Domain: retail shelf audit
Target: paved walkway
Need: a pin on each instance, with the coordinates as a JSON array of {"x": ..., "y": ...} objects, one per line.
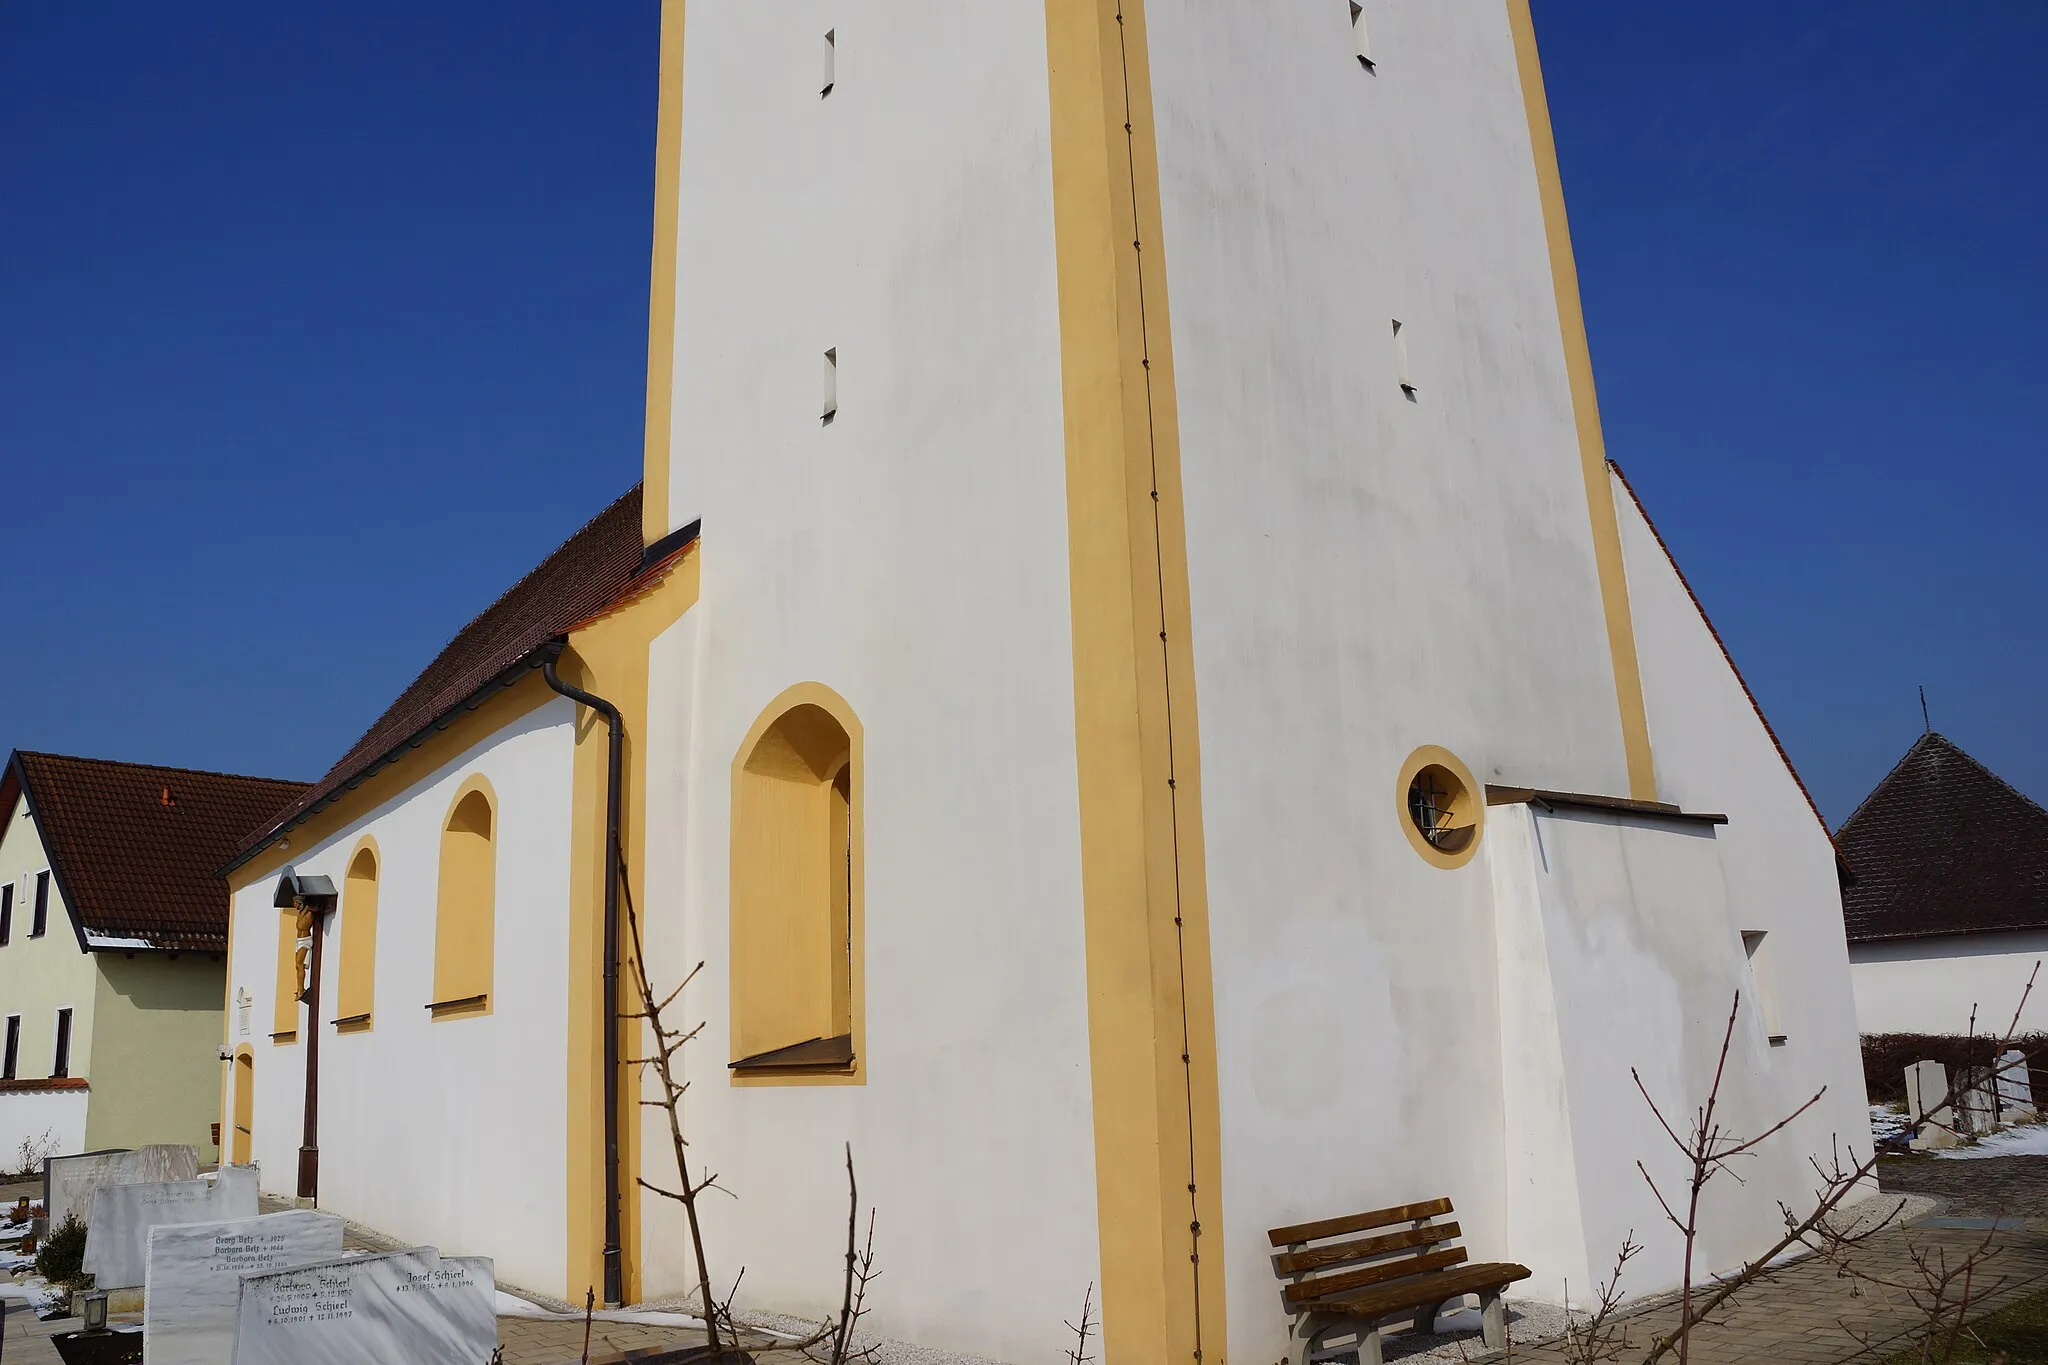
[{"x": 1808, "y": 1314}]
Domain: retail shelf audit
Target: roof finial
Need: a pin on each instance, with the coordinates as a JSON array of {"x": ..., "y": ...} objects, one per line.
[{"x": 1926, "y": 725}]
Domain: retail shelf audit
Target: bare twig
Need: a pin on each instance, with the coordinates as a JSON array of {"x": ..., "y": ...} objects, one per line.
[
  {"x": 1077, "y": 1354},
  {"x": 1596, "y": 1338}
]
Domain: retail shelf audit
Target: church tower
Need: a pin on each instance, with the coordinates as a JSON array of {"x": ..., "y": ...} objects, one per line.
[{"x": 1152, "y": 501}]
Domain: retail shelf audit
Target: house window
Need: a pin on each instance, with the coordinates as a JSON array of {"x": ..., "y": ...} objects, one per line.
[
  {"x": 61, "y": 1064},
  {"x": 6, "y": 913},
  {"x": 464, "y": 930},
  {"x": 12, "y": 1058},
  {"x": 41, "y": 919},
  {"x": 358, "y": 942},
  {"x": 796, "y": 889}
]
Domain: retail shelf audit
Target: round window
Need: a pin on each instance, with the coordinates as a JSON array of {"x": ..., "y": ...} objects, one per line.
[{"x": 1442, "y": 810}]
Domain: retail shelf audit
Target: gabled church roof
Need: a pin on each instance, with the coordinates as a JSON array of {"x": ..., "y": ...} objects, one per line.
[
  {"x": 1944, "y": 846},
  {"x": 136, "y": 849},
  {"x": 581, "y": 578}
]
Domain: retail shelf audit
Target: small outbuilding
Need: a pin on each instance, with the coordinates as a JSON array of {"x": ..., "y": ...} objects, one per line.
[{"x": 1948, "y": 909}]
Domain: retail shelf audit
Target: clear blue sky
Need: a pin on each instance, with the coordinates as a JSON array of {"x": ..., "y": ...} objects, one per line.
[{"x": 320, "y": 324}]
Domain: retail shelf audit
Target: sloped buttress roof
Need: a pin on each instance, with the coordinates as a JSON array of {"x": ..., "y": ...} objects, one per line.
[
  {"x": 1944, "y": 846},
  {"x": 585, "y": 575},
  {"x": 136, "y": 849}
]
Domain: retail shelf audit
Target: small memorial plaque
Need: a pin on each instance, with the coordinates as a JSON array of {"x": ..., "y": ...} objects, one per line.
[
  {"x": 413, "y": 1306},
  {"x": 117, "y": 1240},
  {"x": 195, "y": 1277}
]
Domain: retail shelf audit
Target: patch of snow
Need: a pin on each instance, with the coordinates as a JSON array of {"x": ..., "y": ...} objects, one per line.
[
  {"x": 93, "y": 940},
  {"x": 2030, "y": 1139},
  {"x": 1888, "y": 1123}
]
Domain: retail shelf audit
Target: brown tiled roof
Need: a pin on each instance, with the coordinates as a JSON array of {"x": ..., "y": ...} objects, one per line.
[
  {"x": 1944, "y": 846},
  {"x": 136, "y": 849},
  {"x": 579, "y": 579}
]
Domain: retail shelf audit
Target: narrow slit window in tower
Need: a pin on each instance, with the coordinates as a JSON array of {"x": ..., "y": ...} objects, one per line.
[
  {"x": 831, "y": 62},
  {"x": 1361, "y": 40},
  {"x": 1402, "y": 373},
  {"x": 831, "y": 405}
]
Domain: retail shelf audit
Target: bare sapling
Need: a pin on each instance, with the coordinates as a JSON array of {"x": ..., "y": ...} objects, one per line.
[
  {"x": 1600, "y": 1336},
  {"x": 860, "y": 1271},
  {"x": 1942, "y": 1292},
  {"x": 1077, "y": 1354},
  {"x": 721, "y": 1328}
]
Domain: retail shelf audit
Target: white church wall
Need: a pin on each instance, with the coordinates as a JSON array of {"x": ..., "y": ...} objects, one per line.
[
  {"x": 1934, "y": 985},
  {"x": 1713, "y": 753},
  {"x": 1368, "y": 574},
  {"x": 444, "y": 1132},
  {"x": 911, "y": 556}
]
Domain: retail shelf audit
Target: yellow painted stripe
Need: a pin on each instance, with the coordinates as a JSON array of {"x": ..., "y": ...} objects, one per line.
[
  {"x": 1578, "y": 359},
  {"x": 1151, "y": 1017},
  {"x": 661, "y": 306}
]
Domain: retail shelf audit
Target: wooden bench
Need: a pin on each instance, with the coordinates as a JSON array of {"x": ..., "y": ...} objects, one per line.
[{"x": 1340, "y": 1284}]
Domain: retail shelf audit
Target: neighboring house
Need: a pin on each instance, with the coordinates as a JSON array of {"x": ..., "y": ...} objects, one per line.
[
  {"x": 113, "y": 933},
  {"x": 1948, "y": 912},
  {"x": 1184, "y": 733}
]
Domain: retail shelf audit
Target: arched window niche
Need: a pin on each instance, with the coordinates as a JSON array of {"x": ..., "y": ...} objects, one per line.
[
  {"x": 796, "y": 900},
  {"x": 356, "y": 999},
  {"x": 465, "y": 933}
]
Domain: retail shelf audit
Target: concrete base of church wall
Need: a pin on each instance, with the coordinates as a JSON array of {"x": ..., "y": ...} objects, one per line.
[
  {"x": 444, "y": 1132},
  {"x": 1629, "y": 924},
  {"x": 1934, "y": 985}
]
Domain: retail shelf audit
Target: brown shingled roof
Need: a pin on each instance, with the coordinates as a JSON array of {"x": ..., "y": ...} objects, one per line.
[
  {"x": 136, "y": 848},
  {"x": 579, "y": 579},
  {"x": 1944, "y": 846}
]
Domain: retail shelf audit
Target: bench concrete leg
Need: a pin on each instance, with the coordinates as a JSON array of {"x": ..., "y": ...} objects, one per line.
[
  {"x": 1369, "y": 1347},
  {"x": 1493, "y": 1320},
  {"x": 1315, "y": 1329}
]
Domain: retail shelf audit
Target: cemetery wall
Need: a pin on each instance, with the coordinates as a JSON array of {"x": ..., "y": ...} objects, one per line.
[
  {"x": 1930, "y": 985},
  {"x": 47, "y": 1120},
  {"x": 155, "y": 1071},
  {"x": 446, "y": 1131},
  {"x": 911, "y": 556}
]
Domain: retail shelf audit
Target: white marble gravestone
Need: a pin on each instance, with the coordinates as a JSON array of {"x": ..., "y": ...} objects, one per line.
[
  {"x": 195, "y": 1277},
  {"x": 415, "y": 1307},
  {"x": 69, "y": 1181},
  {"x": 117, "y": 1239},
  {"x": 2015, "y": 1088},
  {"x": 1976, "y": 1105},
  {"x": 1926, "y": 1087}
]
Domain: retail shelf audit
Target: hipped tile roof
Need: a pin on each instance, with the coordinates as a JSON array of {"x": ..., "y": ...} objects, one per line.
[
  {"x": 136, "y": 848},
  {"x": 578, "y": 580},
  {"x": 1944, "y": 846}
]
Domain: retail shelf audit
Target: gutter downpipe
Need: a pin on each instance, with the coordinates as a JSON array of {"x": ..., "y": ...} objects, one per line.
[{"x": 614, "y": 1270}]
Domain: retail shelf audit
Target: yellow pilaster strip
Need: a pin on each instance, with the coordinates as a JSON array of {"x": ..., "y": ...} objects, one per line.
[
  {"x": 1578, "y": 359},
  {"x": 661, "y": 305},
  {"x": 610, "y": 657},
  {"x": 1151, "y": 1020}
]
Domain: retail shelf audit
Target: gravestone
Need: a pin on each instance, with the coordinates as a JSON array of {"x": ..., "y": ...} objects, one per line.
[
  {"x": 1926, "y": 1087},
  {"x": 2015, "y": 1088},
  {"x": 1976, "y": 1105},
  {"x": 412, "y": 1306},
  {"x": 70, "y": 1181},
  {"x": 195, "y": 1277},
  {"x": 117, "y": 1239}
]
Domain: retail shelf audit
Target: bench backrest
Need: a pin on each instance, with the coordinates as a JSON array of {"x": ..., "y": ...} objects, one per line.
[{"x": 1328, "y": 1257}]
